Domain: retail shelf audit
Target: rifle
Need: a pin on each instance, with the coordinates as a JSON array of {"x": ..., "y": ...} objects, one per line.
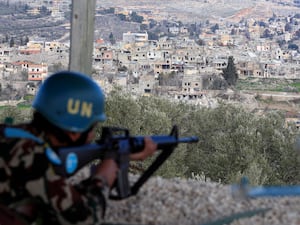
[{"x": 74, "y": 158}]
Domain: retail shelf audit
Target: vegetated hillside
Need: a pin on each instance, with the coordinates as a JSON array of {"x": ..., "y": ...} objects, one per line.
[
  {"x": 107, "y": 24},
  {"x": 272, "y": 94},
  {"x": 20, "y": 27},
  {"x": 195, "y": 10}
]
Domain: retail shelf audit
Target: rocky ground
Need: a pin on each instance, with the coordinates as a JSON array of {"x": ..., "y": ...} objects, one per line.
[
  {"x": 197, "y": 202},
  {"x": 192, "y": 202}
]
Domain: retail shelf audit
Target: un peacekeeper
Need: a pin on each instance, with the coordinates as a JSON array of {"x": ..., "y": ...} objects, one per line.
[{"x": 67, "y": 108}]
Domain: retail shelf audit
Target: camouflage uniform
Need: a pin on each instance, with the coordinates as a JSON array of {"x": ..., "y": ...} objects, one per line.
[{"x": 29, "y": 186}]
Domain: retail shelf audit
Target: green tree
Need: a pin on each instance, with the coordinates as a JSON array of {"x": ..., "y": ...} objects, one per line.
[
  {"x": 230, "y": 73},
  {"x": 24, "y": 75},
  {"x": 144, "y": 27},
  {"x": 152, "y": 36},
  {"x": 11, "y": 42},
  {"x": 44, "y": 11},
  {"x": 122, "y": 69},
  {"x": 288, "y": 27},
  {"x": 235, "y": 143},
  {"x": 122, "y": 17},
  {"x": 6, "y": 38},
  {"x": 214, "y": 28},
  {"x": 26, "y": 40},
  {"x": 293, "y": 46},
  {"x": 21, "y": 41},
  {"x": 152, "y": 23},
  {"x": 122, "y": 111},
  {"x": 112, "y": 39},
  {"x": 56, "y": 67},
  {"x": 16, "y": 114},
  {"x": 200, "y": 42},
  {"x": 136, "y": 18},
  {"x": 297, "y": 34},
  {"x": 267, "y": 34}
]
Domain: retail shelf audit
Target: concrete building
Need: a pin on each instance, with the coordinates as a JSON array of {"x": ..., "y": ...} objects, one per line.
[{"x": 129, "y": 38}]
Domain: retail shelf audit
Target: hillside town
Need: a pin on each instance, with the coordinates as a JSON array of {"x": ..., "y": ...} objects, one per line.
[
  {"x": 147, "y": 54},
  {"x": 243, "y": 167}
]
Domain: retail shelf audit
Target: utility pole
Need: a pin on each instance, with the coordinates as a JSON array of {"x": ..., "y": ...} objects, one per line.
[{"x": 82, "y": 36}]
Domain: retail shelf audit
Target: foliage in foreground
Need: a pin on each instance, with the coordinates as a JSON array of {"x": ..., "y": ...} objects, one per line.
[{"x": 233, "y": 142}]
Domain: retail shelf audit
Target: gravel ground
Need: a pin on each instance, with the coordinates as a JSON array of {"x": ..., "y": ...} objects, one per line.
[{"x": 191, "y": 202}]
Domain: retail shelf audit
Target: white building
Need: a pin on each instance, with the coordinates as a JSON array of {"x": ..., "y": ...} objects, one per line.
[{"x": 129, "y": 38}]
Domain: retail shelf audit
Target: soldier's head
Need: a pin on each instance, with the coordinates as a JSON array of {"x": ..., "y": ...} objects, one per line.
[{"x": 71, "y": 101}]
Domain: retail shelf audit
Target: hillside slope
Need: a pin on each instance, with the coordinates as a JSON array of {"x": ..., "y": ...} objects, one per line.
[{"x": 195, "y": 10}]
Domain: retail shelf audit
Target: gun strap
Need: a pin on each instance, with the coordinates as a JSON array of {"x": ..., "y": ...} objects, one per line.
[
  {"x": 12, "y": 132},
  {"x": 161, "y": 158}
]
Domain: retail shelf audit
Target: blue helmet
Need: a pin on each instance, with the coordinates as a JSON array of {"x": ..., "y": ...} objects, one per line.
[{"x": 71, "y": 101}]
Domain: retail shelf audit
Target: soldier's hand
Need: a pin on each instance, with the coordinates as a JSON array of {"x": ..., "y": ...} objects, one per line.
[{"x": 149, "y": 149}]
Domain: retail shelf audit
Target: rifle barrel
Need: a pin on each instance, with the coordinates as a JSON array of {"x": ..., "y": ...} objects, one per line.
[
  {"x": 126, "y": 145},
  {"x": 192, "y": 139}
]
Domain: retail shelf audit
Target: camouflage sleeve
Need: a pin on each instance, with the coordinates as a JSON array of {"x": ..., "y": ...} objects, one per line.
[
  {"x": 27, "y": 173},
  {"x": 4, "y": 184},
  {"x": 6, "y": 173},
  {"x": 82, "y": 203}
]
